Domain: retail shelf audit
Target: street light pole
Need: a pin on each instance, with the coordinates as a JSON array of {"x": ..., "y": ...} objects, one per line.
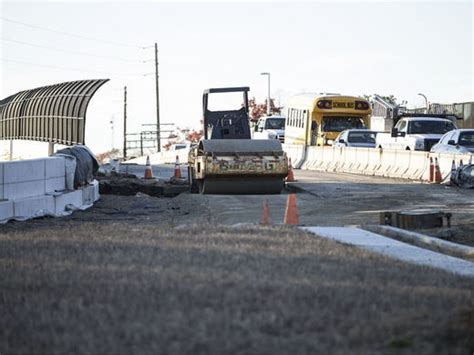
[
  {"x": 426, "y": 101},
  {"x": 268, "y": 99},
  {"x": 124, "y": 122},
  {"x": 158, "y": 140}
]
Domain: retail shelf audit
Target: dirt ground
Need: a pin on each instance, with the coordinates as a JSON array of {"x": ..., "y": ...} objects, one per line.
[
  {"x": 328, "y": 199},
  {"x": 141, "y": 274},
  {"x": 130, "y": 285}
]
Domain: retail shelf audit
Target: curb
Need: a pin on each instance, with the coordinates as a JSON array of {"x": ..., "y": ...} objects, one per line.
[{"x": 425, "y": 241}]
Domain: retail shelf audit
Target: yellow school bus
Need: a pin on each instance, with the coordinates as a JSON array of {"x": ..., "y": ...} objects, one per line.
[{"x": 317, "y": 119}]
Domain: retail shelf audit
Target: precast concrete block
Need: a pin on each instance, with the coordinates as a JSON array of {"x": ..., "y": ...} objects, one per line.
[
  {"x": 67, "y": 202},
  {"x": 32, "y": 207},
  {"x": 55, "y": 167},
  {"x": 95, "y": 183},
  {"x": 88, "y": 195},
  {"x": 55, "y": 184},
  {"x": 6, "y": 211},
  {"x": 23, "y": 171},
  {"x": 18, "y": 190},
  {"x": 1, "y": 181}
]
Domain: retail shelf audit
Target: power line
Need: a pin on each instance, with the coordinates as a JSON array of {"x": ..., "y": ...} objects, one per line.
[
  {"x": 67, "y": 51},
  {"x": 64, "y": 68},
  {"x": 70, "y": 34}
]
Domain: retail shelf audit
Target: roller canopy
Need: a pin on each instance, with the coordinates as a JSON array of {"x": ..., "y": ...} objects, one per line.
[
  {"x": 242, "y": 146},
  {"x": 54, "y": 113}
]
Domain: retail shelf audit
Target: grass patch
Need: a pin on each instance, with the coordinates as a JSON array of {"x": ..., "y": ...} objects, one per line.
[{"x": 122, "y": 288}]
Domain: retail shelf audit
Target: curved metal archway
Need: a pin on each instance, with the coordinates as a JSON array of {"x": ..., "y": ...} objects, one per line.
[{"x": 54, "y": 113}]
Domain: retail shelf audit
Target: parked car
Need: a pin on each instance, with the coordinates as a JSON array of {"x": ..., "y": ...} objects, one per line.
[
  {"x": 458, "y": 141},
  {"x": 356, "y": 138},
  {"x": 271, "y": 127},
  {"x": 415, "y": 133}
]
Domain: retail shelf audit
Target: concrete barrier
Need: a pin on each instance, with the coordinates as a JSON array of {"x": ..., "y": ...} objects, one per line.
[
  {"x": 39, "y": 187},
  {"x": 297, "y": 154},
  {"x": 165, "y": 157},
  {"x": 404, "y": 164}
]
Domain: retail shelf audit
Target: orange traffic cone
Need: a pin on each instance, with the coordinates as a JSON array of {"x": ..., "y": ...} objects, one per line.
[
  {"x": 461, "y": 163},
  {"x": 291, "y": 211},
  {"x": 453, "y": 172},
  {"x": 431, "y": 177},
  {"x": 265, "y": 220},
  {"x": 148, "y": 171},
  {"x": 290, "y": 177},
  {"x": 177, "y": 169},
  {"x": 437, "y": 177}
]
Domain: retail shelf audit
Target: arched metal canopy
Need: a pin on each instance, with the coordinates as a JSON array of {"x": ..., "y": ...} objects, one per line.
[{"x": 54, "y": 113}]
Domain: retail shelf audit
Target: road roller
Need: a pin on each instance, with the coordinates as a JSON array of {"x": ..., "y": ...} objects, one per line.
[{"x": 227, "y": 160}]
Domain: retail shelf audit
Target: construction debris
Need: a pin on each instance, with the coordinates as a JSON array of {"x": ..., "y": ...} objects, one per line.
[
  {"x": 463, "y": 176},
  {"x": 129, "y": 185}
]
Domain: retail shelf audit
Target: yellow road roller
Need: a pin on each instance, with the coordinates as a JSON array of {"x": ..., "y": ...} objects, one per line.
[{"x": 228, "y": 161}]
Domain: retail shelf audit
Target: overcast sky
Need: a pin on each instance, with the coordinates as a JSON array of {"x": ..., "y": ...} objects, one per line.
[{"x": 399, "y": 48}]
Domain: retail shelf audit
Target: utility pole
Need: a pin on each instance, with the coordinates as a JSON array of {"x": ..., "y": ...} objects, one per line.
[
  {"x": 124, "y": 122},
  {"x": 158, "y": 141},
  {"x": 268, "y": 97}
]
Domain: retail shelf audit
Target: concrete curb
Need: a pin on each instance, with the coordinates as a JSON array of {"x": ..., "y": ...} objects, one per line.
[
  {"x": 395, "y": 249},
  {"x": 424, "y": 241}
]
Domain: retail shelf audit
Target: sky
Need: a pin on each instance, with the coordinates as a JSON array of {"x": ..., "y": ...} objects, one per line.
[{"x": 389, "y": 48}]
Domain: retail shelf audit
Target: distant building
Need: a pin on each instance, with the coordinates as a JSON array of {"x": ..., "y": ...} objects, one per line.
[
  {"x": 464, "y": 111},
  {"x": 385, "y": 113}
]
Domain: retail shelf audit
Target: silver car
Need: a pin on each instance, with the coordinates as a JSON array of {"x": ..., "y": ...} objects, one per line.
[
  {"x": 362, "y": 138},
  {"x": 457, "y": 141}
]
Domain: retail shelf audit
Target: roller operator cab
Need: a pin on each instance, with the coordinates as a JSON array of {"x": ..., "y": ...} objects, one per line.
[{"x": 227, "y": 160}]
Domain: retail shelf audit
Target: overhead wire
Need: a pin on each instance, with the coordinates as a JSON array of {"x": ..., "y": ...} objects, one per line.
[
  {"x": 68, "y": 51},
  {"x": 70, "y": 34},
  {"x": 66, "y": 68}
]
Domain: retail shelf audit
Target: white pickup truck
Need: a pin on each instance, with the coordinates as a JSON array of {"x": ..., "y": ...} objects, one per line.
[
  {"x": 271, "y": 127},
  {"x": 415, "y": 133}
]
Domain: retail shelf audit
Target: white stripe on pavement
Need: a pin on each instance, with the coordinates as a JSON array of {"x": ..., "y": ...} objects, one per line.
[{"x": 393, "y": 248}]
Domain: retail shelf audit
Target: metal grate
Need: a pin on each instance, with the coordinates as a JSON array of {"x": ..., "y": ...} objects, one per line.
[{"x": 54, "y": 113}]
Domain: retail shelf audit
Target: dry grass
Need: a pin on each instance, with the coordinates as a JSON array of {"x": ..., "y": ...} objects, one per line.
[{"x": 121, "y": 288}]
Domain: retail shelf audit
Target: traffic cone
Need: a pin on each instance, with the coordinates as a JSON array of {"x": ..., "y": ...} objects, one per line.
[
  {"x": 148, "y": 171},
  {"x": 431, "y": 177},
  {"x": 290, "y": 177},
  {"x": 437, "y": 177},
  {"x": 265, "y": 220},
  {"x": 291, "y": 211},
  {"x": 453, "y": 172},
  {"x": 461, "y": 164},
  {"x": 470, "y": 160},
  {"x": 177, "y": 169}
]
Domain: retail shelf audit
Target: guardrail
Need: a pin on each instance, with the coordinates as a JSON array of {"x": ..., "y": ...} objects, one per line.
[{"x": 39, "y": 187}]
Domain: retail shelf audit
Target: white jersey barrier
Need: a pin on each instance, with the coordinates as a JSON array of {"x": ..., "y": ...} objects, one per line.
[
  {"x": 297, "y": 154},
  {"x": 405, "y": 164},
  {"x": 41, "y": 187},
  {"x": 165, "y": 157}
]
